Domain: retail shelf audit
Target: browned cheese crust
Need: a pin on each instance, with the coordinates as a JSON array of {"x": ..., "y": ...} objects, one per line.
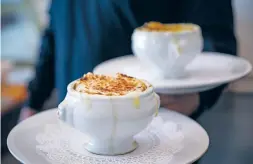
[
  {"x": 160, "y": 27},
  {"x": 109, "y": 86}
]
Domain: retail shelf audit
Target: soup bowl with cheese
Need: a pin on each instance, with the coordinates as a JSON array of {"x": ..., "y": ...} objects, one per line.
[
  {"x": 167, "y": 48},
  {"x": 109, "y": 110}
]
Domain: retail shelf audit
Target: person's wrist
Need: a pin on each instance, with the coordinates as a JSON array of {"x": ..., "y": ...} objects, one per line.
[
  {"x": 185, "y": 104},
  {"x": 26, "y": 112},
  {"x": 26, "y": 108}
]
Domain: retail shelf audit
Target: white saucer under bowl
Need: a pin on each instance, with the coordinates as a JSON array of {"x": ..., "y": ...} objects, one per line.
[
  {"x": 171, "y": 138},
  {"x": 207, "y": 71}
]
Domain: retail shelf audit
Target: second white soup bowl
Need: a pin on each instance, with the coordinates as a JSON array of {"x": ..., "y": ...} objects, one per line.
[{"x": 168, "y": 52}]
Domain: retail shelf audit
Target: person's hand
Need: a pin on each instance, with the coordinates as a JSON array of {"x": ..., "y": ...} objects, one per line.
[
  {"x": 185, "y": 104},
  {"x": 25, "y": 113}
]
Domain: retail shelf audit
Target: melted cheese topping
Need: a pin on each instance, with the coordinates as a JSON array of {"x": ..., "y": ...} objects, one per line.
[
  {"x": 160, "y": 27},
  {"x": 108, "y": 85}
]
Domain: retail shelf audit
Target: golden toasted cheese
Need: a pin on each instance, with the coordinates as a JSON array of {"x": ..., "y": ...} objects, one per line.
[
  {"x": 160, "y": 27},
  {"x": 109, "y": 86}
]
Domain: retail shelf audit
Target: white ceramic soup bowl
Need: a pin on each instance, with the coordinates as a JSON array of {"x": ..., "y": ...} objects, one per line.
[
  {"x": 110, "y": 122},
  {"x": 168, "y": 52}
]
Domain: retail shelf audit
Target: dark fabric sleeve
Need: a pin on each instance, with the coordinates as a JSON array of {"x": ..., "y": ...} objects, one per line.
[
  {"x": 41, "y": 86},
  {"x": 208, "y": 99},
  {"x": 216, "y": 21}
]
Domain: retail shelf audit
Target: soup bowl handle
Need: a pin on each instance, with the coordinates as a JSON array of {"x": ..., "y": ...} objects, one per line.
[{"x": 62, "y": 112}]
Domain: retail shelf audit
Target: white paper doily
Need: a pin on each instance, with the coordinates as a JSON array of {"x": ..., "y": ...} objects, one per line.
[{"x": 60, "y": 144}]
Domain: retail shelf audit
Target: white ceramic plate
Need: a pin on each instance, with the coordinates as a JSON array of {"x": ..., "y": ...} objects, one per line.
[
  {"x": 22, "y": 139},
  {"x": 207, "y": 71}
]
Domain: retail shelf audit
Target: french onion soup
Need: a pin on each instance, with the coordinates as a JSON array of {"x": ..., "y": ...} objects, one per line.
[{"x": 108, "y": 85}]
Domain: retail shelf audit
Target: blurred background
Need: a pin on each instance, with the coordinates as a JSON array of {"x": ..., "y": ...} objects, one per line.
[{"x": 229, "y": 124}]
